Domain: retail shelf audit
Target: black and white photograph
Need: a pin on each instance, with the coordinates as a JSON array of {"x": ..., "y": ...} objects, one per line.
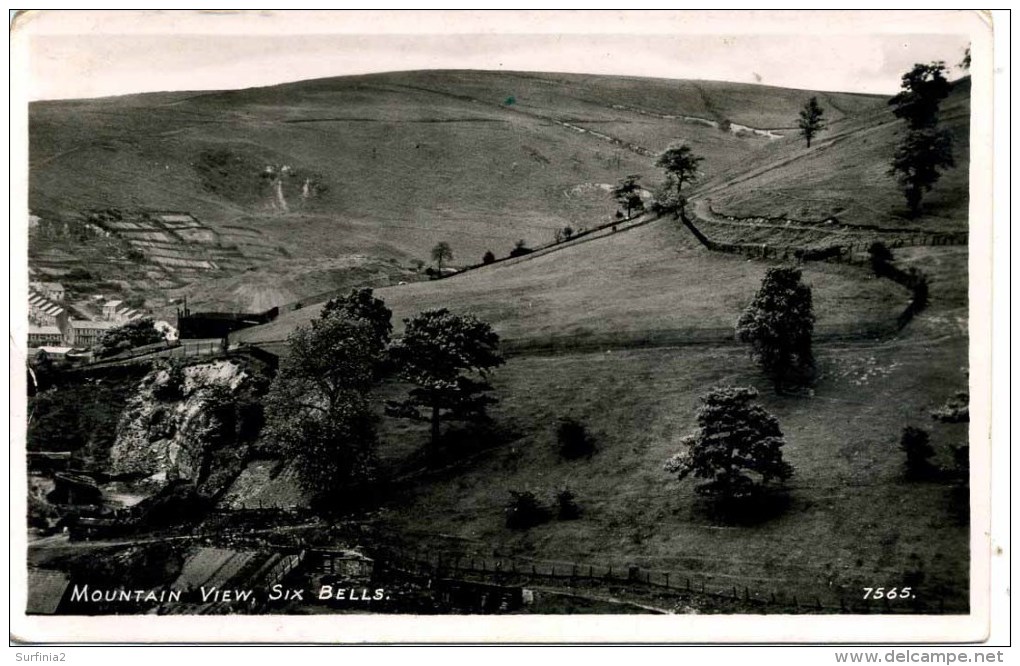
[{"x": 405, "y": 315}]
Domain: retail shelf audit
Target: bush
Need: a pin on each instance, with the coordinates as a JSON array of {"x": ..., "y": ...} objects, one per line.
[
  {"x": 520, "y": 249},
  {"x": 567, "y": 508},
  {"x": 76, "y": 274},
  {"x": 573, "y": 439},
  {"x": 169, "y": 384},
  {"x": 915, "y": 444},
  {"x": 524, "y": 511},
  {"x": 880, "y": 256},
  {"x": 136, "y": 302},
  {"x": 488, "y": 257}
]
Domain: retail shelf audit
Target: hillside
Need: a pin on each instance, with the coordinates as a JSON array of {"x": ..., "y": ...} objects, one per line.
[
  {"x": 633, "y": 283},
  {"x": 624, "y": 331},
  {"x": 845, "y": 174},
  {"x": 385, "y": 165},
  {"x": 577, "y": 321}
]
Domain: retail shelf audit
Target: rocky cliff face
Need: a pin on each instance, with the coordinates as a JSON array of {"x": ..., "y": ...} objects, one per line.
[{"x": 194, "y": 423}]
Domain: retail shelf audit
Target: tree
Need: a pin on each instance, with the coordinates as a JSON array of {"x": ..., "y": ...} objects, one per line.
[
  {"x": 573, "y": 439},
  {"x": 440, "y": 253},
  {"x": 488, "y": 257},
  {"x": 524, "y": 510},
  {"x": 914, "y": 443},
  {"x": 628, "y": 194},
  {"x": 925, "y": 150},
  {"x": 779, "y": 323},
  {"x": 665, "y": 199},
  {"x": 520, "y": 249},
  {"x": 679, "y": 162},
  {"x": 918, "y": 162},
  {"x": 737, "y": 449},
  {"x": 441, "y": 353},
  {"x": 811, "y": 122},
  {"x": 965, "y": 63},
  {"x": 361, "y": 304},
  {"x": 922, "y": 90},
  {"x": 317, "y": 407},
  {"x": 132, "y": 334}
]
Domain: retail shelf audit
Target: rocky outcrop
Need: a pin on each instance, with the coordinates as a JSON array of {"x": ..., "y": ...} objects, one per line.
[{"x": 193, "y": 423}]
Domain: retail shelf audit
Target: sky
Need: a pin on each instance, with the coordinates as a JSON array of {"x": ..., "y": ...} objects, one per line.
[{"x": 89, "y": 54}]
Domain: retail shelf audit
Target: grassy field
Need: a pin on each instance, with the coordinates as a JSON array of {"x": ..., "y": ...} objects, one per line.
[
  {"x": 853, "y": 521},
  {"x": 646, "y": 279}
]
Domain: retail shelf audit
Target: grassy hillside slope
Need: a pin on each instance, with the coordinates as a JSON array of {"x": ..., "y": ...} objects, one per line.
[
  {"x": 651, "y": 278},
  {"x": 395, "y": 160},
  {"x": 845, "y": 174}
]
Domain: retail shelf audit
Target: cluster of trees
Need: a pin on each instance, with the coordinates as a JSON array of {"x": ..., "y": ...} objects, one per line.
[
  {"x": 443, "y": 253},
  {"x": 320, "y": 407},
  {"x": 737, "y": 450},
  {"x": 133, "y": 334}
]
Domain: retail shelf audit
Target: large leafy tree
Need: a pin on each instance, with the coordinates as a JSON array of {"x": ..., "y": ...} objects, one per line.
[
  {"x": 133, "y": 334},
  {"x": 925, "y": 150},
  {"x": 317, "y": 408},
  {"x": 361, "y": 304},
  {"x": 447, "y": 357},
  {"x": 779, "y": 323},
  {"x": 737, "y": 450},
  {"x": 811, "y": 122},
  {"x": 628, "y": 194},
  {"x": 680, "y": 163}
]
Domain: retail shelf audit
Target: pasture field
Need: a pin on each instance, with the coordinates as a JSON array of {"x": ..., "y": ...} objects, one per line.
[
  {"x": 852, "y": 521},
  {"x": 650, "y": 278}
]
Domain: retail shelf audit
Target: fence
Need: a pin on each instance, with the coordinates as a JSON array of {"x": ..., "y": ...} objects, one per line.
[
  {"x": 674, "y": 337},
  {"x": 506, "y": 571},
  {"x": 925, "y": 237},
  {"x": 856, "y": 254}
]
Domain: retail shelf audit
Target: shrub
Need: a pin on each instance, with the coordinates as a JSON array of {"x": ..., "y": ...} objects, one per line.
[
  {"x": 566, "y": 503},
  {"x": 76, "y": 274},
  {"x": 915, "y": 444},
  {"x": 169, "y": 384},
  {"x": 520, "y": 249},
  {"x": 135, "y": 255},
  {"x": 136, "y": 302},
  {"x": 573, "y": 439},
  {"x": 880, "y": 256},
  {"x": 524, "y": 511},
  {"x": 961, "y": 462},
  {"x": 488, "y": 257}
]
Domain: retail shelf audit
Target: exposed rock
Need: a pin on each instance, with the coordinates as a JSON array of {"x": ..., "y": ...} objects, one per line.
[{"x": 181, "y": 425}]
